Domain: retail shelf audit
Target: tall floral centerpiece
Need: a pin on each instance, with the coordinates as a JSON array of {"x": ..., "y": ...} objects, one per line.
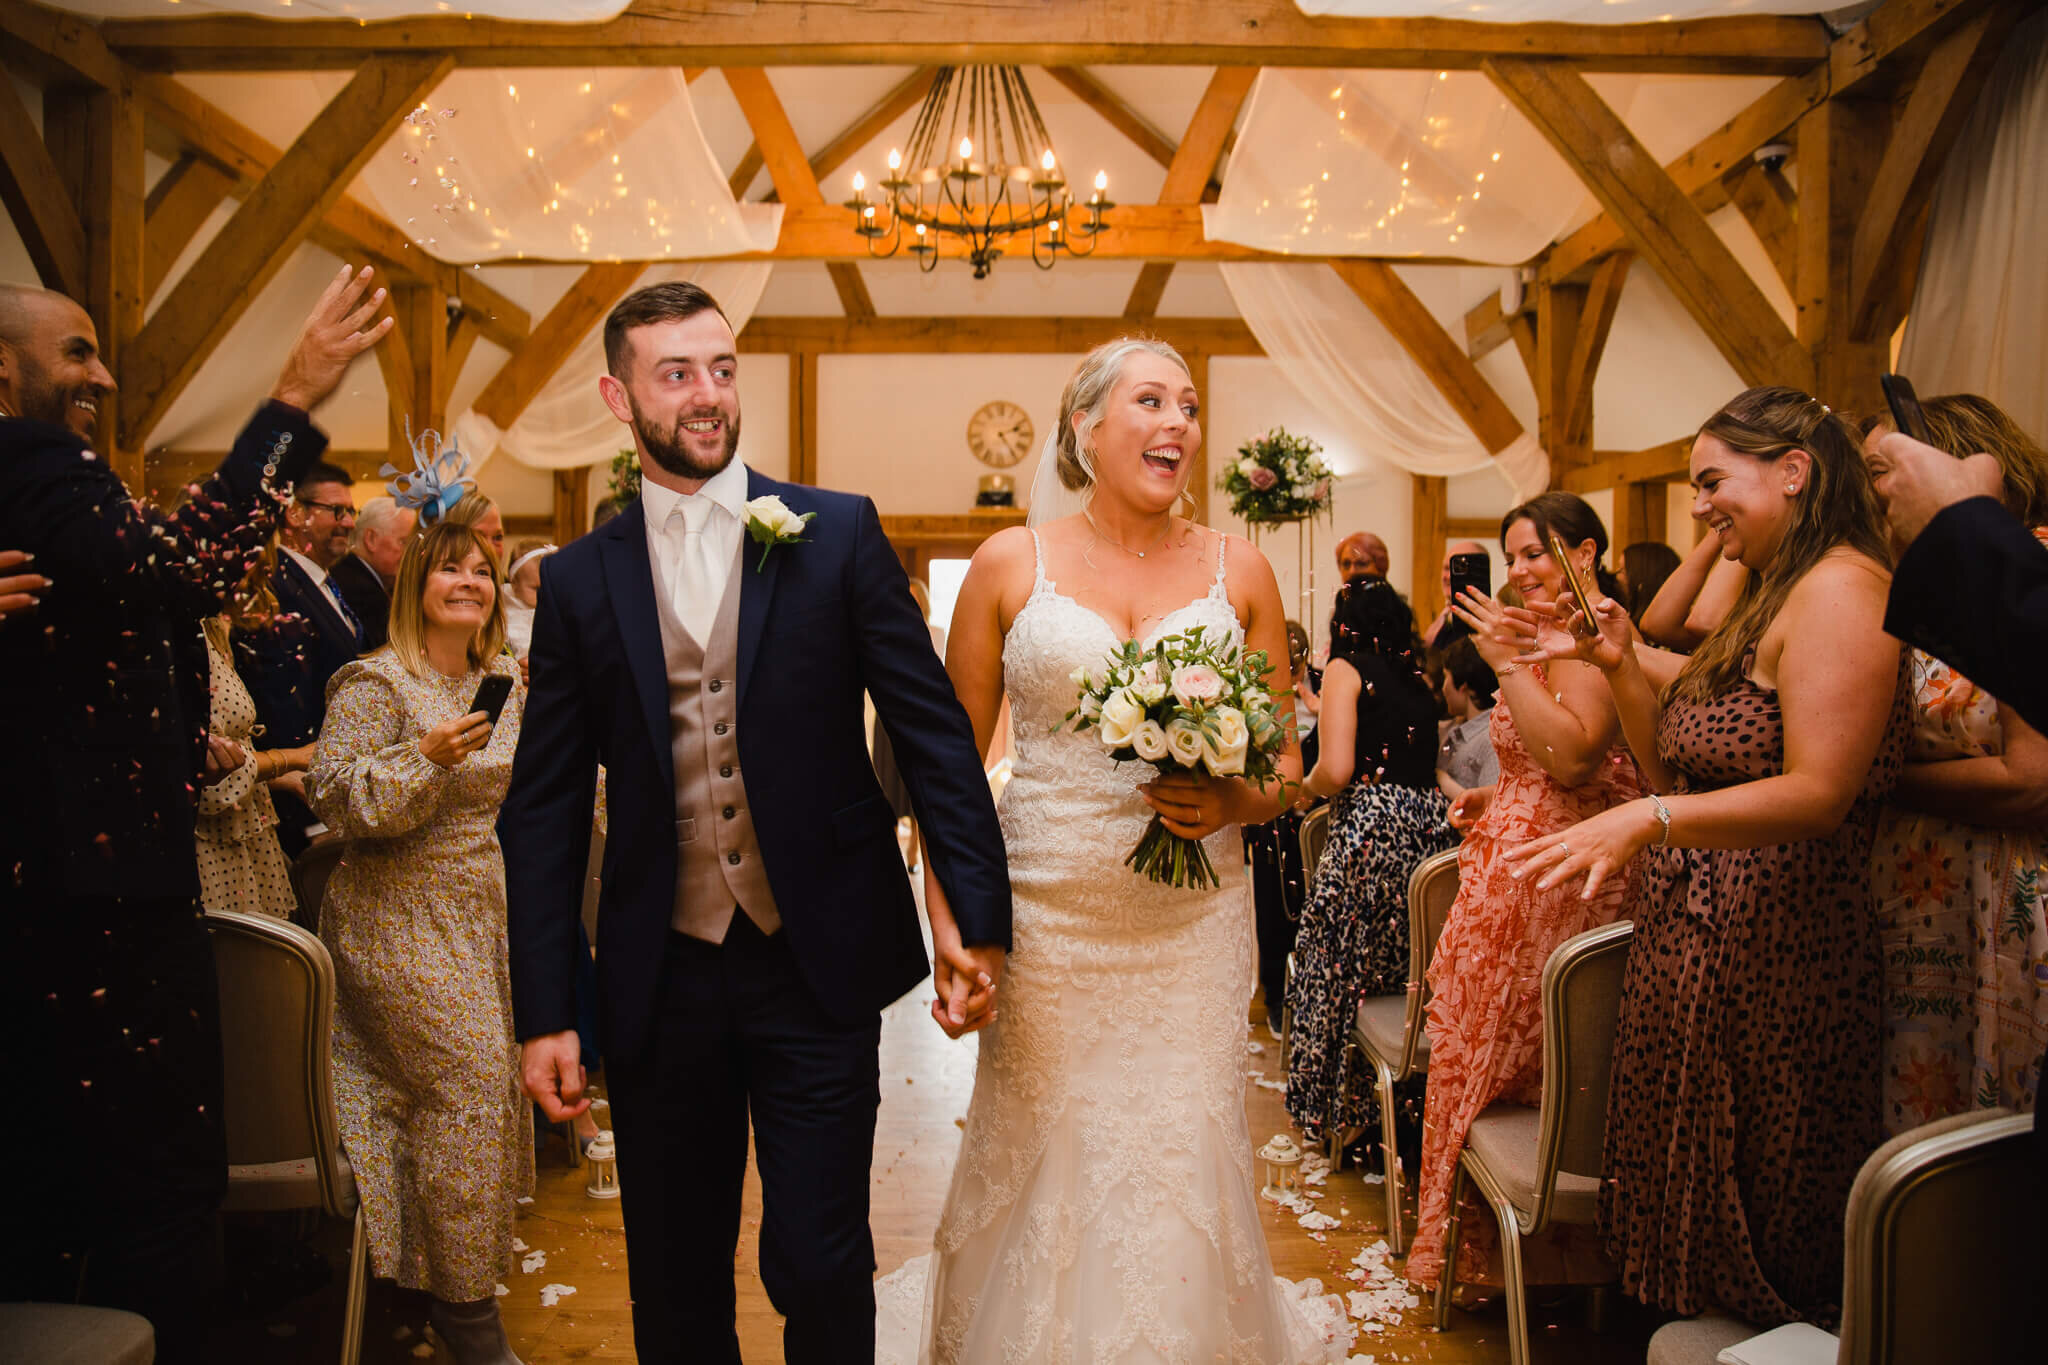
[{"x": 1277, "y": 479}]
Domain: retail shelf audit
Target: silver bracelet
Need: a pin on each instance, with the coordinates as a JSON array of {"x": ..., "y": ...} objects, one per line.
[{"x": 1663, "y": 818}]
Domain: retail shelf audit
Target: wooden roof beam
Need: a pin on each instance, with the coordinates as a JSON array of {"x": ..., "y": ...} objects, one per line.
[
  {"x": 178, "y": 206},
  {"x": 244, "y": 255},
  {"x": 349, "y": 228},
  {"x": 33, "y": 190},
  {"x": 1193, "y": 164},
  {"x": 1658, "y": 219},
  {"x": 869, "y": 126},
  {"x": 980, "y": 335},
  {"x": 536, "y": 361},
  {"x": 1670, "y": 462},
  {"x": 1441, "y": 358},
  {"x": 795, "y": 183},
  {"x": 1066, "y": 33},
  {"x": 1115, "y": 112},
  {"x": 59, "y": 48}
]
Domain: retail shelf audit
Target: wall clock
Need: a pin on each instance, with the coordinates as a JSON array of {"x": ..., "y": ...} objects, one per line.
[{"x": 999, "y": 434}]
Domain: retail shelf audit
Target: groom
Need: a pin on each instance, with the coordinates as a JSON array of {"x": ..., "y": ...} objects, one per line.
[{"x": 755, "y": 914}]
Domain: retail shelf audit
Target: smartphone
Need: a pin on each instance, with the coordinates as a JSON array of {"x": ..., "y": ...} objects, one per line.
[
  {"x": 491, "y": 695},
  {"x": 1905, "y": 405},
  {"x": 1577, "y": 585},
  {"x": 1471, "y": 571}
]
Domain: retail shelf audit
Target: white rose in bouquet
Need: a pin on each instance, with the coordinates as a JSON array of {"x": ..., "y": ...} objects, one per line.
[
  {"x": 1150, "y": 742},
  {"x": 1121, "y": 716},
  {"x": 1225, "y": 752},
  {"x": 1184, "y": 743}
]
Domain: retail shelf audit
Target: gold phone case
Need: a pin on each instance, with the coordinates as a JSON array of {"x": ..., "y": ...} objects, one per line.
[{"x": 1570, "y": 566}]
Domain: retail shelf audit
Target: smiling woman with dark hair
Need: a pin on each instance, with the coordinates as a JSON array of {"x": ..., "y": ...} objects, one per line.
[
  {"x": 426, "y": 1068},
  {"x": 1377, "y": 764},
  {"x": 1745, "y": 1089}
]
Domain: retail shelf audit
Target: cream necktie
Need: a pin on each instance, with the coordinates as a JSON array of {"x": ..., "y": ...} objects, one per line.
[{"x": 695, "y": 591}]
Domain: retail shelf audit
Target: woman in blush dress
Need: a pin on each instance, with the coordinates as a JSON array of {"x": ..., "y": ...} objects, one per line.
[
  {"x": 1745, "y": 1088},
  {"x": 1104, "y": 1204},
  {"x": 1558, "y": 740},
  {"x": 426, "y": 1068}
]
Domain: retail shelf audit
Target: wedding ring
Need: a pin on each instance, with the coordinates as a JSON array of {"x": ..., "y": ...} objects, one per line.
[{"x": 1566, "y": 847}]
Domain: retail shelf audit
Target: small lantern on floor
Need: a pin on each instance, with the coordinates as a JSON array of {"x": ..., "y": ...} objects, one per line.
[
  {"x": 1283, "y": 1166},
  {"x": 604, "y": 1167}
]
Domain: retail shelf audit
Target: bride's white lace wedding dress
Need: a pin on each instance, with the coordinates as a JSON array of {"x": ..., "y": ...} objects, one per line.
[{"x": 1104, "y": 1205}]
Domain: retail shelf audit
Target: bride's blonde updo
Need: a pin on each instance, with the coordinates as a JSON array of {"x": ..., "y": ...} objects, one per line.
[{"x": 1087, "y": 393}]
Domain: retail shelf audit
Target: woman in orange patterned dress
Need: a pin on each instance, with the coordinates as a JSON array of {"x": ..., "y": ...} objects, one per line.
[
  {"x": 1960, "y": 901},
  {"x": 1561, "y": 760}
]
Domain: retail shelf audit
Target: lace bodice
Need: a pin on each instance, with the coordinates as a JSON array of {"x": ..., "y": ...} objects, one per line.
[{"x": 1067, "y": 801}]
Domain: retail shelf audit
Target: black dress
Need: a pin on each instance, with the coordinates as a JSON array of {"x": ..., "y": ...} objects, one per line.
[{"x": 1353, "y": 939}]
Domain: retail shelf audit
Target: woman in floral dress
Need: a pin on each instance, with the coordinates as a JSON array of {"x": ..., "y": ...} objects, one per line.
[
  {"x": 1377, "y": 764},
  {"x": 1744, "y": 1094},
  {"x": 1561, "y": 759},
  {"x": 426, "y": 1067},
  {"x": 1960, "y": 903}
]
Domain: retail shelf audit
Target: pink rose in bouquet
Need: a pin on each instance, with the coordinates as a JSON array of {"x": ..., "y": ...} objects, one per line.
[{"x": 1261, "y": 478}]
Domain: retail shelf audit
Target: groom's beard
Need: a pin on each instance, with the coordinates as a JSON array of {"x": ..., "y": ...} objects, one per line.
[{"x": 670, "y": 448}]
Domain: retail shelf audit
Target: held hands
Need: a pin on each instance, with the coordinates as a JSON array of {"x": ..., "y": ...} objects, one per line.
[
  {"x": 1596, "y": 848},
  {"x": 551, "y": 1073},
  {"x": 337, "y": 331},
  {"x": 1915, "y": 480},
  {"x": 454, "y": 740},
  {"x": 1193, "y": 805}
]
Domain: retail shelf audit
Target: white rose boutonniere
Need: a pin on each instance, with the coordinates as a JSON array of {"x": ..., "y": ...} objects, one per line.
[{"x": 770, "y": 523}]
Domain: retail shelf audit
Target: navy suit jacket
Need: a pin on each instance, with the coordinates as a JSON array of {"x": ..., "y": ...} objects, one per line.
[
  {"x": 366, "y": 596},
  {"x": 1972, "y": 591},
  {"x": 104, "y": 686},
  {"x": 820, "y": 623},
  {"x": 286, "y": 665}
]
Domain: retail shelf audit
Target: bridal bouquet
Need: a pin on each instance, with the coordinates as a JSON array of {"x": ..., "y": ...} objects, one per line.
[{"x": 1189, "y": 703}]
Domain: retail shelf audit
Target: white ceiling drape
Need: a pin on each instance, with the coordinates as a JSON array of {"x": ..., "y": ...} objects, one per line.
[
  {"x": 1979, "y": 322},
  {"x": 1349, "y": 366},
  {"x": 567, "y": 424}
]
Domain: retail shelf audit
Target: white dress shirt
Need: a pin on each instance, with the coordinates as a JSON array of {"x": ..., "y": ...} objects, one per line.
[
  {"x": 322, "y": 581},
  {"x": 719, "y": 508}
]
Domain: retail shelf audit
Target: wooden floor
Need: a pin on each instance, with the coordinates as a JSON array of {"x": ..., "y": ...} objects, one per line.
[{"x": 925, "y": 1084}]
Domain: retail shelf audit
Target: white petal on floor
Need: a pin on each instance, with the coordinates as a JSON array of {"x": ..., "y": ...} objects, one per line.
[
  {"x": 552, "y": 1294},
  {"x": 536, "y": 1261}
]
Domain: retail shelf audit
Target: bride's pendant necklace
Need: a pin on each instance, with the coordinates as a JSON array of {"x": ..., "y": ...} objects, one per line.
[{"x": 1100, "y": 534}]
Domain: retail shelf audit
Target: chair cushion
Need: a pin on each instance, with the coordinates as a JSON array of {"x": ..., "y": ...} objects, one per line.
[
  {"x": 274, "y": 1185},
  {"x": 1380, "y": 1025},
  {"x": 1697, "y": 1341},
  {"x": 1504, "y": 1138},
  {"x": 68, "y": 1334}
]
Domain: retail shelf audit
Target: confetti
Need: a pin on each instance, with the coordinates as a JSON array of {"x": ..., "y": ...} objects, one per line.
[{"x": 552, "y": 1294}]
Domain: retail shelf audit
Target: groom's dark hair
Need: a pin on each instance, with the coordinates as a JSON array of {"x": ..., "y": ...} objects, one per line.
[{"x": 672, "y": 302}]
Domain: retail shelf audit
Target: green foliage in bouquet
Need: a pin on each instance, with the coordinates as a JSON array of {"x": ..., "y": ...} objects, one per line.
[
  {"x": 625, "y": 477},
  {"x": 1277, "y": 477},
  {"x": 1192, "y": 702}
]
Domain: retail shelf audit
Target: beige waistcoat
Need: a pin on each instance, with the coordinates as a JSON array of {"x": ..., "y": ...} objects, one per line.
[{"x": 718, "y": 859}]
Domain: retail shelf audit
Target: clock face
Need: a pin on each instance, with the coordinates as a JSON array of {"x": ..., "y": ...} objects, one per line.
[{"x": 999, "y": 434}]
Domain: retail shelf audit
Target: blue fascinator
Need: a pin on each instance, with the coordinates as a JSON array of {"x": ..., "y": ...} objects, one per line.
[{"x": 439, "y": 477}]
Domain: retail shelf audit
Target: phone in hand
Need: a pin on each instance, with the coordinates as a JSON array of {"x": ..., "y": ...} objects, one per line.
[
  {"x": 1471, "y": 571},
  {"x": 1585, "y": 600},
  {"x": 1905, "y": 405},
  {"x": 491, "y": 695}
]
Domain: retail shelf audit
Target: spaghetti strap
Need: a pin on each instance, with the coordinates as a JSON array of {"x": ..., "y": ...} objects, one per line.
[
  {"x": 1222, "y": 551},
  {"x": 1037, "y": 561}
]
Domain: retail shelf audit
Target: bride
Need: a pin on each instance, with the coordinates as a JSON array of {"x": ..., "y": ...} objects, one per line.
[{"x": 1103, "y": 1207}]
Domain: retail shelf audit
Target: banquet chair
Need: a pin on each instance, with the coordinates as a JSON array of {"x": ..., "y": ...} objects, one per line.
[
  {"x": 1925, "y": 1275},
  {"x": 1388, "y": 1029},
  {"x": 310, "y": 871},
  {"x": 73, "y": 1334},
  {"x": 1313, "y": 835},
  {"x": 284, "y": 1145},
  {"x": 1542, "y": 1165}
]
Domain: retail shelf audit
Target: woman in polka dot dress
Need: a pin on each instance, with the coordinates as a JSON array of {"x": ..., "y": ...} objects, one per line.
[{"x": 1745, "y": 1085}]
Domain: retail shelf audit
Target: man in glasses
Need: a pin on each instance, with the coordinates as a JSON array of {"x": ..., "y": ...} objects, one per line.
[{"x": 286, "y": 665}]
